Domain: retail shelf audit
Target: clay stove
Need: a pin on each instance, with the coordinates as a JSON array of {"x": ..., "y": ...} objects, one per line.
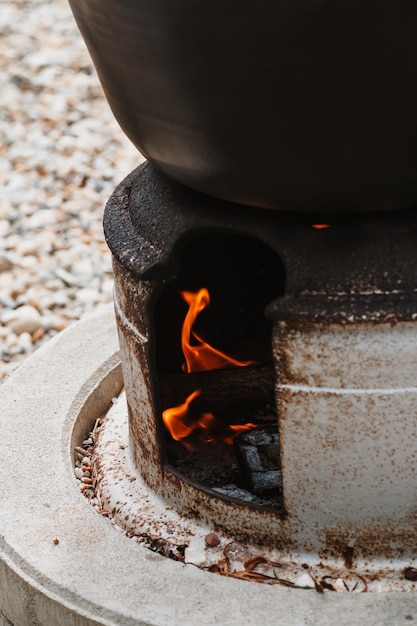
[{"x": 326, "y": 306}]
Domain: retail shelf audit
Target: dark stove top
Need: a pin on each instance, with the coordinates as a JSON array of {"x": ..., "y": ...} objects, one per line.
[{"x": 355, "y": 265}]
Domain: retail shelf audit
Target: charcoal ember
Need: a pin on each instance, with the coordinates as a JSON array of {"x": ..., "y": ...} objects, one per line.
[
  {"x": 260, "y": 450},
  {"x": 265, "y": 481},
  {"x": 235, "y": 492},
  {"x": 258, "y": 454},
  {"x": 271, "y": 499}
]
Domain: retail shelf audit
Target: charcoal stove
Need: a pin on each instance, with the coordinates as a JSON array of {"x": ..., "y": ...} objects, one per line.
[
  {"x": 316, "y": 310},
  {"x": 301, "y": 108},
  {"x": 332, "y": 308}
]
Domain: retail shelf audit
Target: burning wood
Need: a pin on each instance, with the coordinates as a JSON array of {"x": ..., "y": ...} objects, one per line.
[{"x": 231, "y": 394}]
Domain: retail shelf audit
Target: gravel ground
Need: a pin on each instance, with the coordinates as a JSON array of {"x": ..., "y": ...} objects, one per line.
[{"x": 61, "y": 155}]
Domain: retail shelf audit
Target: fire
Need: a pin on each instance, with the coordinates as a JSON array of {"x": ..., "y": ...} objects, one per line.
[
  {"x": 175, "y": 418},
  {"x": 320, "y": 226},
  {"x": 198, "y": 358},
  {"x": 201, "y": 357},
  {"x": 205, "y": 426}
]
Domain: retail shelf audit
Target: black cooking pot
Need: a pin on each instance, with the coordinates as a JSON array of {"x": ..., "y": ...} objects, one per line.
[{"x": 288, "y": 104}]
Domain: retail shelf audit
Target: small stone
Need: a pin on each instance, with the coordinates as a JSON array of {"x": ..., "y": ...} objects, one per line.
[
  {"x": 212, "y": 540},
  {"x": 78, "y": 472},
  {"x": 25, "y": 319},
  {"x": 195, "y": 552},
  {"x": 25, "y": 342},
  {"x": 7, "y": 301},
  {"x": 305, "y": 581},
  {"x": 410, "y": 573},
  {"x": 5, "y": 263},
  {"x": 81, "y": 451},
  {"x": 11, "y": 339},
  {"x": 38, "y": 334}
]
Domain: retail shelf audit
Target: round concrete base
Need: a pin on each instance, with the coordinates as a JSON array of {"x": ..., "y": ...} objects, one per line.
[{"x": 61, "y": 563}]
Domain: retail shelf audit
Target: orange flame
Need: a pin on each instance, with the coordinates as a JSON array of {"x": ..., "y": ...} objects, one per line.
[
  {"x": 174, "y": 418},
  {"x": 206, "y": 426},
  {"x": 201, "y": 357},
  {"x": 320, "y": 226}
]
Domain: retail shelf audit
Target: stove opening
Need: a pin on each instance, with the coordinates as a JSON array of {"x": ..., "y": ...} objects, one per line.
[{"x": 218, "y": 426}]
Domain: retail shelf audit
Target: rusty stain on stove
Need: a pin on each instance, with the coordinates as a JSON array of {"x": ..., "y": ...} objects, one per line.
[
  {"x": 150, "y": 527},
  {"x": 344, "y": 358}
]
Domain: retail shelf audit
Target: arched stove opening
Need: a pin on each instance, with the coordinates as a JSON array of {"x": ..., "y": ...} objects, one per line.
[{"x": 218, "y": 426}]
